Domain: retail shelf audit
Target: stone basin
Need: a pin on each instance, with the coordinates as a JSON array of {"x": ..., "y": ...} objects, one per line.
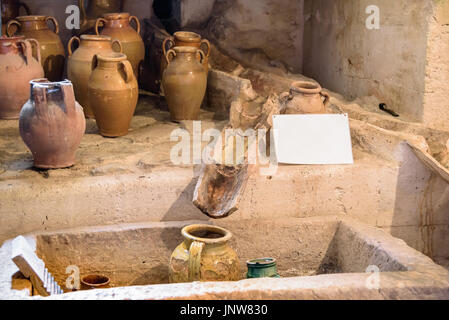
[{"x": 318, "y": 258}]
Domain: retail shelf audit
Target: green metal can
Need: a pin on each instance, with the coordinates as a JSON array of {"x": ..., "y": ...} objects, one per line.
[{"x": 262, "y": 268}]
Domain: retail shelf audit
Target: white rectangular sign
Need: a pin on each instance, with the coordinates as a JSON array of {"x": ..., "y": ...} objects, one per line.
[{"x": 313, "y": 139}]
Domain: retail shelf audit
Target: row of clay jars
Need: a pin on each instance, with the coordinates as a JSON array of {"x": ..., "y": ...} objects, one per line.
[
  {"x": 52, "y": 124},
  {"x": 17, "y": 68},
  {"x": 52, "y": 50},
  {"x": 79, "y": 66}
]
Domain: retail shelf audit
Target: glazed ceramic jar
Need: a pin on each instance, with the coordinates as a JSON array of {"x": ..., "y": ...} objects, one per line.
[
  {"x": 186, "y": 39},
  {"x": 52, "y": 50},
  {"x": 205, "y": 255},
  {"x": 117, "y": 26},
  {"x": 52, "y": 124},
  {"x": 184, "y": 82},
  {"x": 305, "y": 98},
  {"x": 10, "y": 10},
  {"x": 113, "y": 93},
  {"x": 17, "y": 68},
  {"x": 79, "y": 67},
  {"x": 95, "y": 9}
]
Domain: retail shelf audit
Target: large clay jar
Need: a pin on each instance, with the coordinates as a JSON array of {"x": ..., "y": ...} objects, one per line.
[
  {"x": 17, "y": 68},
  {"x": 305, "y": 98},
  {"x": 96, "y": 9},
  {"x": 52, "y": 50},
  {"x": 117, "y": 26},
  {"x": 204, "y": 256},
  {"x": 113, "y": 93},
  {"x": 10, "y": 10},
  {"x": 184, "y": 82},
  {"x": 79, "y": 67},
  {"x": 186, "y": 39},
  {"x": 52, "y": 124}
]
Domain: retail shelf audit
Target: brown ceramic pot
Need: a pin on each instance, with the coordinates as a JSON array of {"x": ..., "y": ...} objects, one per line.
[
  {"x": 10, "y": 10},
  {"x": 184, "y": 82},
  {"x": 52, "y": 124},
  {"x": 52, "y": 50},
  {"x": 95, "y": 281},
  {"x": 185, "y": 39},
  {"x": 17, "y": 68},
  {"x": 113, "y": 93},
  {"x": 96, "y": 9},
  {"x": 305, "y": 98},
  {"x": 117, "y": 26},
  {"x": 205, "y": 255},
  {"x": 79, "y": 67}
]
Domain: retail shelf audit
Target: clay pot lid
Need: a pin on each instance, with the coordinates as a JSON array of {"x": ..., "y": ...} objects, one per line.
[
  {"x": 261, "y": 262},
  {"x": 305, "y": 87},
  {"x": 187, "y": 36},
  {"x": 116, "y": 15},
  {"x": 112, "y": 57},
  {"x": 92, "y": 37},
  {"x": 206, "y": 233},
  {"x": 31, "y": 18},
  {"x": 95, "y": 280}
]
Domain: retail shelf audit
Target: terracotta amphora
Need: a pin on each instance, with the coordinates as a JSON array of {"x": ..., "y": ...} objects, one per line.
[
  {"x": 113, "y": 93},
  {"x": 96, "y": 9},
  {"x": 304, "y": 98},
  {"x": 117, "y": 26},
  {"x": 17, "y": 68},
  {"x": 205, "y": 255},
  {"x": 186, "y": 39},
  {"x": 184, "y": 82},
  {"x": 79, "y": 67},
  {"x": 52, "y": 50},
  {"x": 10, "y": 10},
  {"x": 52, "y": 124}
]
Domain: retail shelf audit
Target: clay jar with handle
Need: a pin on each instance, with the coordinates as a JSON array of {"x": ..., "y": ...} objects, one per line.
[
  {"x": 117, "y": 26},
  {"x": 304, "y": 98},
  {"x": 113, "y": 93},
  {"x": 205, "y": 255},
  {"x": 184, "y": 82},
  {"x": 79, "y": 67},
  {"x": 10, "y": 10},
  {"x": 186, "y": 39},
  {"x": 52, "y": 50},
  {"x": 95, "y": 9},
  {"x": 17, "y": 68},
  {"x": 52, "y": 124}
]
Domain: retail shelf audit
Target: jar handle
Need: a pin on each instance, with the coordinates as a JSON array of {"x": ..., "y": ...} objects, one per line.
[
  {"x": 119, "y": 43},
  {"x": 202, "y": 55},
  {"x": 69, "y": 99},
  {"x": 205, "y": 41},
  {"x": 27, "y": 9},
  {"x": 69, "y": 45},
  {"x": 9, "y": 24},
  {"x": 327, "y": 99},
  {"x": 40, "y": 100},
  {"x": 97, "y": 25},
  {"x": 164, "y": 45},
  {"x": 137, "y": 22},
  {"x": 129, "y": 73},
  {"x": 55, "y": 22},
  {"x": 38, "y": 49},
  {"x": 83, "y": 11},
  {"x": 94, "y": 62},
  {"x": 196, "y": 248},
  {"x": 27, "y": 50},
  {"x": 167, "y": 55}
]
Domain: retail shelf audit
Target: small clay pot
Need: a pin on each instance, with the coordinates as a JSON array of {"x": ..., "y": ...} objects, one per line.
[
  {"x": 184, "y": 82},
  {"x": 52, "y": 124},
  {"x": 96, "y": 9},
  {"x": 79, "y": 67},
  {"x": 113, "y": 93},
  {"x": 52, "y": 50},
  {"x": 17, "y": 68},
  {"x": 117, "y": 26},
  {"x": 185, "y": 39},
  {"x": 305, "y": 98},
  {"x": 262, "y": 268},
  {"x": 205, "y": 255},
  {"x": 95, "y": 281}
]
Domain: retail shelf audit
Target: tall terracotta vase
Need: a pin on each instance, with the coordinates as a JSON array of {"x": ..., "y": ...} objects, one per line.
[
  {"x": 10, "y": 10},
  {"x": 79, "y": 67},
  {"x": 117, "y": 26},
  {"x": 96, "y": 9},
  {"x": 52, "y": 124},
  {"x": 17, "y": 68},
  {"x": 305, "y": 97},
  {"x": 113, "y": 93},
  {"x": 52, "y": 50},
  {"x": 205, "y": 255},
  {"x": 184, "y": 82},
  {"x": 186, "y": 39}
]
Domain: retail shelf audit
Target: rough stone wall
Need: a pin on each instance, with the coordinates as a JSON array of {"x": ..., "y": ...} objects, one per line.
[{"x": 389, "y": 63}]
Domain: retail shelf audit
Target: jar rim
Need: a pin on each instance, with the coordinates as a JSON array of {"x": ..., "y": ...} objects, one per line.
[
  {"x": 31, "y": 18},
  {"x": 307, "y": 87},
  {"x": 187, "y": 231},
  {"x": 92, "y": 37},
  {"x": 116, "y": 15},
  {"x": 187, "y": 36}
]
